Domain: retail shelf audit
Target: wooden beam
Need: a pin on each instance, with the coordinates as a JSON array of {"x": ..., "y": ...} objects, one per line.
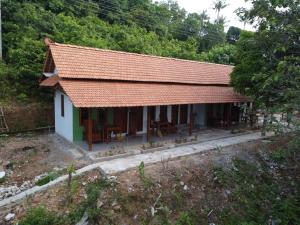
[{"x": 90, "y": 130}]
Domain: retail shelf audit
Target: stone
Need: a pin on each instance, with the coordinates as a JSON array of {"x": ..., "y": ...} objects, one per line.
[
  {"x": 152, "y": 211},
  {"x": 2, "y": 174},
  {"x": 99, "y": 204},
  {"x": 181, "y": 183},
  {"x": 9, "y": 217},
  {"x": 185, "y": 187}
]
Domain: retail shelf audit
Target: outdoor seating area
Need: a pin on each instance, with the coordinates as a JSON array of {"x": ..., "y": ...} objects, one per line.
[{"x": 138, "y": 144}]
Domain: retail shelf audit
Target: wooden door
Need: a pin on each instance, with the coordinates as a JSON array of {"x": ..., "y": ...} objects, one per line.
[
  {"x": 163, "y": 115},
  {"x": 152, "y": 113},
  {"x": 120, "y": 118},
  {"x": 175, "y": 114},
  {"x": 139, "y": 118},
  {"x": 135, "y": 120},
  {"x": 183, "y": 114}
]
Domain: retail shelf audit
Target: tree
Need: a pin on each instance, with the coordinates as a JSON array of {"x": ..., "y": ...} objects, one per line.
[
  {"x": 218, "y": 6},
  {"x": 222, "y": 54},
  {"x": 233, "y": 34},
  {"x": 268, "y": 60}
]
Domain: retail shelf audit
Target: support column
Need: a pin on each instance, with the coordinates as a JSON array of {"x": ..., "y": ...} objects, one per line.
[
  {"x": 148, "y": 125},
  {"x": 90, "y": 129},
  {"x": 191, "y": 120}
]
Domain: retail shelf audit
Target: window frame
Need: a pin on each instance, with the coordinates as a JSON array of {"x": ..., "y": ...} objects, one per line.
[{"x": 62, "y": 105}]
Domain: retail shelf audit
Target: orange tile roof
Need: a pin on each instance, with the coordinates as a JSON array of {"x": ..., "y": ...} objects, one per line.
[
  {"x": 84, "y": 93},
  {"x": 91, "y": 63},
  {"x": 50, "y": 81}
]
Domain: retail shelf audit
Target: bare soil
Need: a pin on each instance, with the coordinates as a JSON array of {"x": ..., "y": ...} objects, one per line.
[
  {"x": 27, "y": 155},
  {"x": 169, "y": 189}
]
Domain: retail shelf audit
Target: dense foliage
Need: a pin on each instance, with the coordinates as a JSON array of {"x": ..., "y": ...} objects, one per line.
[
  {"x": 139, "y": 26},
  {"x": 268, "y": 60}
]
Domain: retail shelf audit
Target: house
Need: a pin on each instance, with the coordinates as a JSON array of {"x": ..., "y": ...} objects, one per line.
[{"x": 103, "y": 93}]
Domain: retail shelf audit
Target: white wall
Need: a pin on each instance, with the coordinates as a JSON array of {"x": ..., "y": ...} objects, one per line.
[
  {"x": 200, "y": 119},
  {"x": 63, "y": 125}
]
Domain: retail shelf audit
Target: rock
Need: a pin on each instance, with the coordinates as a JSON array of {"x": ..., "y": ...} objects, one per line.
[
  {"x": 112, "y": 178},
  {"x": 181, "y": 183},
  {"x": 9, "y": 217},
  {"x": 130, "y": 189},
  {"x": 114, "y": 203},
  {"x": 185, "y": 187},
  {"x": 152, "y": 211},
  {"x": 83, "y": 183},
  {"x": 99, "y": 204},
  {"x": 2, "y": 174},
  {"x": 117, "y": 207}
]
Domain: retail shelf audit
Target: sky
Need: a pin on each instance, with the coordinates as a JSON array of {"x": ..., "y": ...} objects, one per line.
[{"x": 232, "y": 19}]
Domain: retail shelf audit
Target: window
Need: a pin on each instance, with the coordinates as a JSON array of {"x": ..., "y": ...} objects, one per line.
[{"x": 62, "y": 105}]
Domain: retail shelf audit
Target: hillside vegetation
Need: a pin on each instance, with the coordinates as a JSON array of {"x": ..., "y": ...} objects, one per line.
[{"x": 139, "y": 26}]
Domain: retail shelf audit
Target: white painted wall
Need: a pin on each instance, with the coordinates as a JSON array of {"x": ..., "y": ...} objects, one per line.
[
  {"x": 200, "y": 119},
  {"x": 63, "y": 125}
]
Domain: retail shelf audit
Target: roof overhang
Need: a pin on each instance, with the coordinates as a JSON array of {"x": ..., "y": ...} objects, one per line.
[{"x": 89, "y": 93}]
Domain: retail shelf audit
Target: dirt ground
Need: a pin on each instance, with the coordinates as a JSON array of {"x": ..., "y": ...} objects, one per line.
[
  {"x": 27, "y": 155},
  {"x": 189, "y": 170},
  {"x": 168, "y": 191}
]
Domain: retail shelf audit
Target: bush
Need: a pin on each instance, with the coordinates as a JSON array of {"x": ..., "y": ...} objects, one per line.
[{"x": 40, "y": 216}]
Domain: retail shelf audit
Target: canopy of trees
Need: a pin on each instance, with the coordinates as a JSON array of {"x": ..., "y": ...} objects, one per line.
[
  {"x": 268, "y": 61},
  {"x": 139, "y": 26}
]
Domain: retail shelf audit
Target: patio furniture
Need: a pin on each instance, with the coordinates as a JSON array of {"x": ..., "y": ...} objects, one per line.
[{"x": 108, "y": 130}]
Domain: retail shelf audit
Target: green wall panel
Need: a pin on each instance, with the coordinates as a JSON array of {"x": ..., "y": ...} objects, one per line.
[
  {"x": 77, "y": 129},
  {"x": 110, "y": 116}
]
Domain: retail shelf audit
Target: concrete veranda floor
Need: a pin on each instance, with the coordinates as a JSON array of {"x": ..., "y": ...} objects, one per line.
[{"x": 136, "y": 142}]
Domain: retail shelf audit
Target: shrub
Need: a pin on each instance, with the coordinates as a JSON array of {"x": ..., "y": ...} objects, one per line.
[
  {"x": 185, "y": 219},
  {"x": 45, "y": 180},
  {"x": 40, "y": 216}
]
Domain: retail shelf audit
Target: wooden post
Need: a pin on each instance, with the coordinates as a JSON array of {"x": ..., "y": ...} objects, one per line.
[
  {"x": 191, "y": 120},
  {"x": 229, "y": 115},
  {"x": 90, "y": 130},
  {"x": 148, "y": 124}
]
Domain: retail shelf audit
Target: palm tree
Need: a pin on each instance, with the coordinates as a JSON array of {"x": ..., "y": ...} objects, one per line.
[{"x": 218, "y": 6}]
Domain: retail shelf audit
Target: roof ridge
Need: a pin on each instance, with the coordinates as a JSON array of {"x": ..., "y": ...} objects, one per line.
[{"x": 136, "y": 54}]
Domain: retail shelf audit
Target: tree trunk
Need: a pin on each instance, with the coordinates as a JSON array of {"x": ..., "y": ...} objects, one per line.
[{"x": 264, "y": 127}]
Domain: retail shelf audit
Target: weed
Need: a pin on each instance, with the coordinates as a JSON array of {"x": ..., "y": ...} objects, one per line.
[
  {"x": 185, "y": 219},
  {"x": 220, "y": 175},
  {"x": 2, "y": 180},
  {"x": 45, "y": 180},
  {"x": 40, "y": 216},
  {"x": 146, "y": 181}
]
